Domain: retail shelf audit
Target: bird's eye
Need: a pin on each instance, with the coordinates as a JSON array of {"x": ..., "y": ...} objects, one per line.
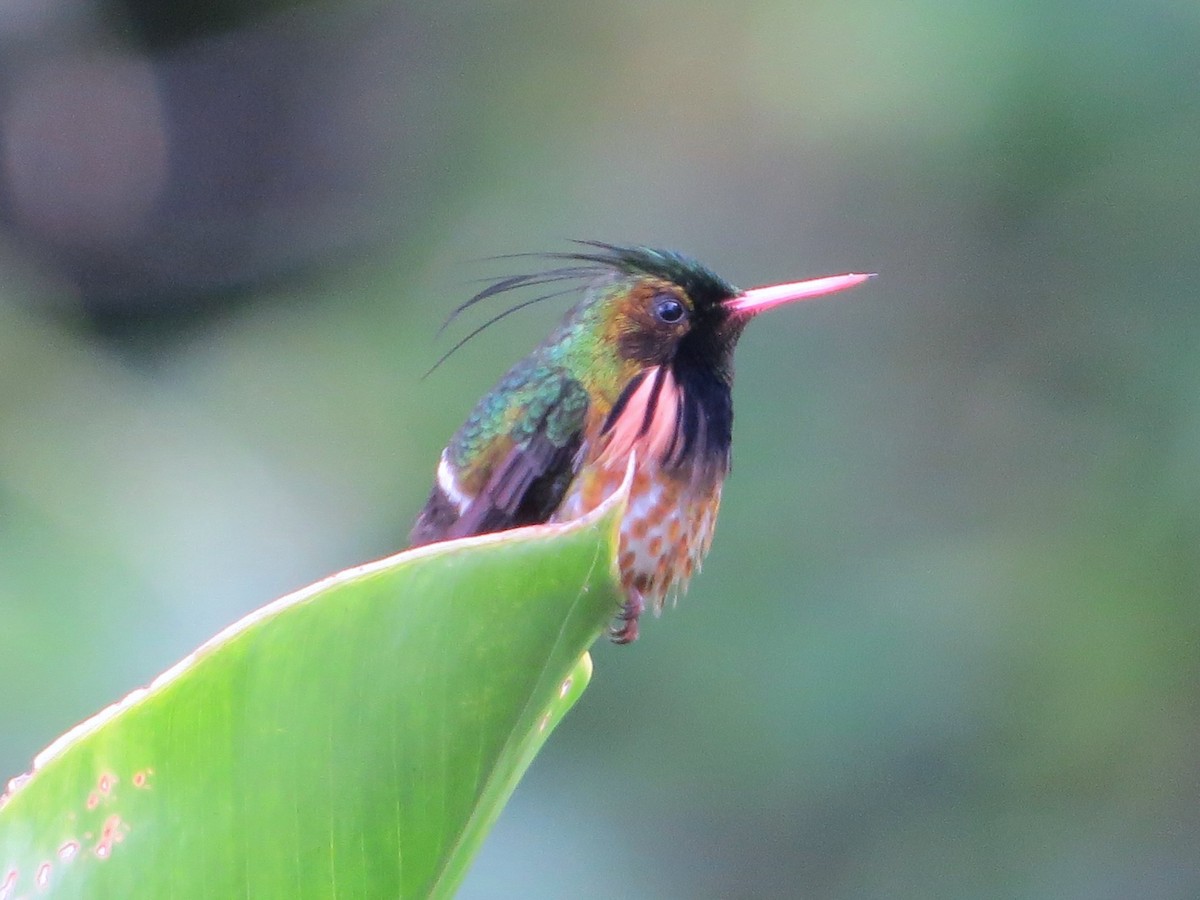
[{"x": 669, "y": 310}]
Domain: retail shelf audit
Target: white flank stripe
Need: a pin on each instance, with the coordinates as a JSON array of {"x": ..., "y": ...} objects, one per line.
[{"x": 449, "y": 485}]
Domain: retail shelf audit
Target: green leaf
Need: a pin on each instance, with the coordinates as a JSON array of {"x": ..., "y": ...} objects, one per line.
[{"x": 355, "y": 739}]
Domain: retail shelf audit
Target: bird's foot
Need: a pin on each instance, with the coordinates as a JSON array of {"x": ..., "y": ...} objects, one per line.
[{"x": 625, "y": 629}]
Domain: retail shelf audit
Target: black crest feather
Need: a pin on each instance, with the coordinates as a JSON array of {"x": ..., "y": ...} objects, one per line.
[{"x": 706, "y": 289}]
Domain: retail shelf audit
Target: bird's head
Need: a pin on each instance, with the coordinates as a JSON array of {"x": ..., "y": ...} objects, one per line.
[
  {"x": 656, "y": 308},
  {"x": 653, "y": 341}
]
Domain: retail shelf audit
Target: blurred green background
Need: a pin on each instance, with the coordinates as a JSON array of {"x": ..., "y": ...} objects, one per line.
[{"x": 946, "y": 644}]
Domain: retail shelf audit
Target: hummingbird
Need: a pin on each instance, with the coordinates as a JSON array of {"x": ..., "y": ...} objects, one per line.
[{"x": 641, "y": 366}]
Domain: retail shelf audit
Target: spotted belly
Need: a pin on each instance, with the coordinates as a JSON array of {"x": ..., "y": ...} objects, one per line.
[{"x": 667, "y": 528}]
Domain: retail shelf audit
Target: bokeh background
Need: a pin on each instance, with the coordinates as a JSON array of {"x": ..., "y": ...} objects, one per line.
[{"x": 946, "y": 644}]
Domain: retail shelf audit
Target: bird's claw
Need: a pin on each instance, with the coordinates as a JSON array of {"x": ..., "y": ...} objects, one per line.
[{"x": 625, "y": 630}]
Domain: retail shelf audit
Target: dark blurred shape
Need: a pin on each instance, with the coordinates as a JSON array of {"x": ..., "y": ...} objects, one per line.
[
  {"x": 167, "y": 183},
  {"x": 158, "y": 24}
]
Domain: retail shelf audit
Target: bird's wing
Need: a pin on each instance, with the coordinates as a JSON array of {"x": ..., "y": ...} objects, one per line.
[{"x": 525, "y": 486}]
